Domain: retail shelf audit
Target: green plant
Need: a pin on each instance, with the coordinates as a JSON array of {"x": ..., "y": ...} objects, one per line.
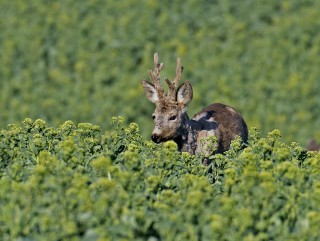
[{"x": 75, "y": 182}]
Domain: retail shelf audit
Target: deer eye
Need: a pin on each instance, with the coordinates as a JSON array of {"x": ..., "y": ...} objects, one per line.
[
  {"x": 173, "y": 117},
  {"x": 153, "y": 117}
]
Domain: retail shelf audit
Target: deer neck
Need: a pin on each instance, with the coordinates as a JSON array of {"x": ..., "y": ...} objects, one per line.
[{"x": 186, "y": 139}]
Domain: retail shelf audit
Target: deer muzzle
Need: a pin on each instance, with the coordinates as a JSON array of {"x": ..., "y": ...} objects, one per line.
[{"x": 156, "y": 138}]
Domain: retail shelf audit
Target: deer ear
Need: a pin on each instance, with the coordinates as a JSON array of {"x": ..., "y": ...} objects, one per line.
[
  {"x": 150, "y": 91},
  {"x": 185, "y": 93}
]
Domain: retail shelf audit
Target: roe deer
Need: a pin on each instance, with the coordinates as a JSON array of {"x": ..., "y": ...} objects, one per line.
[
  {"x": 172, "y": 122},
  {"x": 313, "y": 145}
]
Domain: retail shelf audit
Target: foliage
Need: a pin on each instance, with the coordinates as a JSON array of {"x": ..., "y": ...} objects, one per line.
[
  {"x": 83, "y": 61},
  {"x": 75, "y": 182}
]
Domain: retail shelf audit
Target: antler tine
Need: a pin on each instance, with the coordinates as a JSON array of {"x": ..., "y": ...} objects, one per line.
[
  {"x": 155, "y": 75},
  {"x": 173, "y": 86},
  {"x": 172, "y": 90},
  {"x": 178, "y": 73}
]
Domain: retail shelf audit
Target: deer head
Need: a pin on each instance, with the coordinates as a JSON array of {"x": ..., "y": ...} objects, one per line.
[{"x": 170, "y": 111}]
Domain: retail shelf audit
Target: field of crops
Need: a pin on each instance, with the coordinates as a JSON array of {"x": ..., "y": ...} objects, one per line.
[
  {"x": 76, "y": 183},
  {"x": 70, "y": 170}
]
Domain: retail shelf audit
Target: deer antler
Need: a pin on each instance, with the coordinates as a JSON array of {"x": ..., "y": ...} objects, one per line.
[
  {"x": 173, "y": 86},
  {"x": 155, "y": 76}
]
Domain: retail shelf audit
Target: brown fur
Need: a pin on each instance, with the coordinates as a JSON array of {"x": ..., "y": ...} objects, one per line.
[
  {"x": 192, "y": 135},
  {"x": 313, "y": 145},
  {"x": 230, "y": 124}
]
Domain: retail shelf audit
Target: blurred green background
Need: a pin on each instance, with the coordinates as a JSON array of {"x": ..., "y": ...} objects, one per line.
[{"x": 84, "y": 60}]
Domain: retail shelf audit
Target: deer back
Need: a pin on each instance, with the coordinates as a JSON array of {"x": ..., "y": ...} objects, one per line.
[
  {"x": 313, "y": 145},
  {"x": 222, "y": 121}
]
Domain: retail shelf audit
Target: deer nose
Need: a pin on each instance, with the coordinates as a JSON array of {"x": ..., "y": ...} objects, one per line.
[{"x": 155, "y": 138}]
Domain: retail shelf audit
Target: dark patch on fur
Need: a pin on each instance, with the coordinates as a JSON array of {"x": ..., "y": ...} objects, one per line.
[{"x": 228, "y": 122}]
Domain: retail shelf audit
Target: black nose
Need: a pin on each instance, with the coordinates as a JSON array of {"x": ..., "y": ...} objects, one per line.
[{"x": 155, "y": 138}]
